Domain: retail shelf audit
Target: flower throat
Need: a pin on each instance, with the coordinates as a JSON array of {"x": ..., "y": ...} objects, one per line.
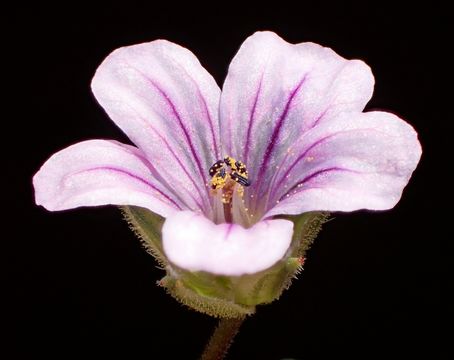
[{"x": 228, "y": 179}]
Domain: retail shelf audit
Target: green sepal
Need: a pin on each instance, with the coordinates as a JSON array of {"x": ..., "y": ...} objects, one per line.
[
  {"x": 210, "y": 305},
  {"x": 147, "y": 226},
  {"x": 305, "y": 229},
  {"x": 226, "y": 296}
]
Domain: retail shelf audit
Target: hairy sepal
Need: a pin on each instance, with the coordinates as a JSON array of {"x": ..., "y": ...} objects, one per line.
[{"x": 226, "y": 296}]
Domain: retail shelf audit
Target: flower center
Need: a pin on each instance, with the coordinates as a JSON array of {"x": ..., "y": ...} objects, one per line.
[
  {"x": 228, "y": 179},
  {"x": 225, "y": 174}
]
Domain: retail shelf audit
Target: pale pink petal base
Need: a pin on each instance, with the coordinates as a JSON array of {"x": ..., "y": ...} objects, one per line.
[
  {"x": 194, "y": 243},
  {"x": 100, "y": 172}
]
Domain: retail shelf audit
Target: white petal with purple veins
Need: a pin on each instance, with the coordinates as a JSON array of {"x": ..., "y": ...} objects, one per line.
[
  {"x": 167, "y": 104},
  {"x": 101, "y": 172},
  {"x": 274, "y": 91},
  {"x": 193, "y": 242},
  {"x": 352, "y": 161}
]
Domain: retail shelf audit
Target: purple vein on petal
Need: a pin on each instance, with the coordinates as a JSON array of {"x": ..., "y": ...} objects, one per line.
[
  {"x": 275, "y": 135},
  {"x": 178, "y": 117},
  {"x": 309, "y": 178},
  {"x": 210, "y": 120},
  {"x": 169, "y": 147},
  {"x": 320, "y": 117},
  {"x": 282, "y": 162},
  {"x": 182, "y": 167},
  {"x": 273, "y": 187},
  {"x": 251, "y": 120},
  {"x": 129, "y": 174},
  {"x": 207, "y": 112},
  {"x": 185, "y": 131},
  {"x": 229, "y": 229}
]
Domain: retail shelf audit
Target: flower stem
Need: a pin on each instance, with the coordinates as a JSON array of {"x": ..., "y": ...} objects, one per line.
[{"x": 222, "y": 338}]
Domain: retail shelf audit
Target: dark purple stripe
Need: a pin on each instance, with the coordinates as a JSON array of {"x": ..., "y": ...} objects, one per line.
[
  {"x": 185, "y": 131},
  {"x": 188, "y": 174},
  {"x": 251, "y": 121},
  {"x": 277, "y": 129},
  {"x": 185, "y": 171},
  {"x": 180, "y": 122},
  {"x": 297, "y": 160},
  {"x": 229, "y": 229},
  {"x": 109, "y": 168},
  {"x": 310, "y": 177},
  {"x": 210, "y": 120},
  {"x": 321, "y": 116}
]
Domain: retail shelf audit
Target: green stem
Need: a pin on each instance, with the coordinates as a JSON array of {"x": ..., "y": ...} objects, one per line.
[{"x": 222, "y": 338}]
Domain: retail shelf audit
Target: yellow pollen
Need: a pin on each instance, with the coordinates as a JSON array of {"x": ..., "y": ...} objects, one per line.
[{"x": 227, "y": 175}]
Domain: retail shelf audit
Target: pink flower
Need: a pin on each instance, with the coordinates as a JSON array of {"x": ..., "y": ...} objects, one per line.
[{"x": 291, "y": 113}]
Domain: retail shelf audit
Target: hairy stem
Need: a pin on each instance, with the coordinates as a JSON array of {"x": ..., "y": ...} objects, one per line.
[{"x": 222, "y": 338}]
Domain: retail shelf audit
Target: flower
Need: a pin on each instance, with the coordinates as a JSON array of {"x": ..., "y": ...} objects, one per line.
[{"x": 288, "y": 131}]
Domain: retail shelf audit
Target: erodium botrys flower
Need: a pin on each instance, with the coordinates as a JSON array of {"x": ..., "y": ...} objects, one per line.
[{"x": 226, "y": 170}]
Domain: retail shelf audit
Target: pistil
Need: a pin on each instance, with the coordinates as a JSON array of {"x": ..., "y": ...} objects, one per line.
[{"x": 229, "y": 177}]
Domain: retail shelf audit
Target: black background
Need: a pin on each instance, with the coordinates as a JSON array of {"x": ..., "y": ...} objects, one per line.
[{"x": 79, "y": 282}]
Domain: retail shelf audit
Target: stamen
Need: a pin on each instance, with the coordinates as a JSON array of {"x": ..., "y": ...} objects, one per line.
[
  {"x": 222, "y": 171},
  {"x": 229, "y": 177}
]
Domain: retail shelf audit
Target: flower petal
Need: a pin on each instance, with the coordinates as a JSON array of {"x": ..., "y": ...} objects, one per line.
[
  {"x": 101, "y": 172},
  {"x": 352, "y": 161},
  {"x": 275, "y": 91},
  {"x": 166, "y": 102},
  {"x": 195, "y": 243}
]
